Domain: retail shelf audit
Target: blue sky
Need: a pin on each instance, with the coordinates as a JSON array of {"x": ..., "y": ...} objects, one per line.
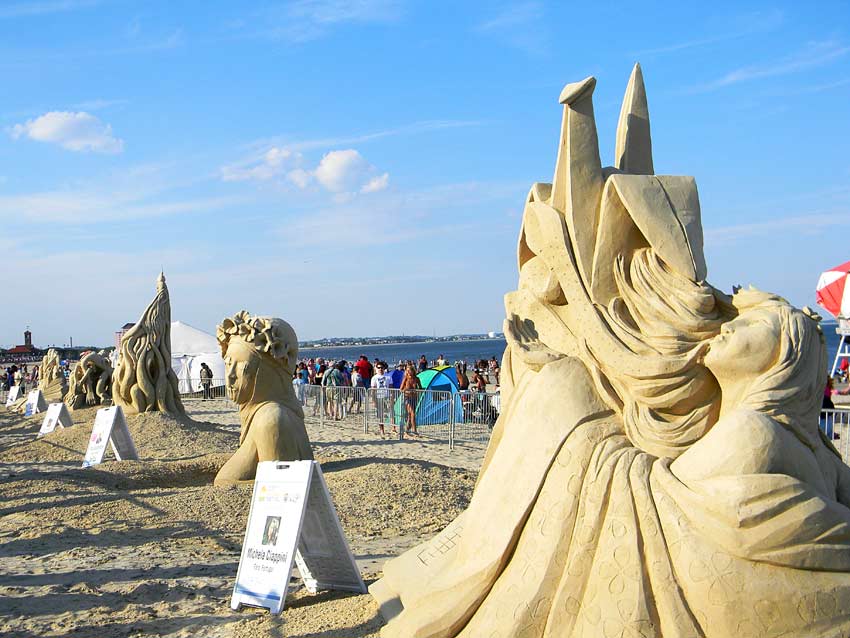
[{"x": 360, "y": 167}]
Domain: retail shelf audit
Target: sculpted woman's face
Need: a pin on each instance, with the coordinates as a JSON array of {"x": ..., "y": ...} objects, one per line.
[
  {"x": 746, "y": 346},
  {"x": 240, "y": 370}
]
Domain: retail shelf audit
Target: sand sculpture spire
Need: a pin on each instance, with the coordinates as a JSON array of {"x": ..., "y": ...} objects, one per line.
[
  {"x": 633, "y": 152},
  {"x": 144, "y": 380},
  {"x": 577, "y": 185}
]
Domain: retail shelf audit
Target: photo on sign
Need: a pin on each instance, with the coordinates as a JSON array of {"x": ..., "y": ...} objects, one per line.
[
  {"x": 271, "y": 530},
  {"x": 97, "y": 437},
  {"x": 50, "y": 423}
]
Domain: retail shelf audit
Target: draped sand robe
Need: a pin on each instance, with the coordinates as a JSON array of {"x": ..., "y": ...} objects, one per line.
[
  {"x": 611, "y": 543},
  {"x": 578, "y": 526}
]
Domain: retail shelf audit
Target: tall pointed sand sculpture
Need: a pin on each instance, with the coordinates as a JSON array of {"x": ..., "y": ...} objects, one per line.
[
  {"x": 90, "y": 382},
  {"x": 144, "y": 380},
  {"x": 52, "y": 382},
  {"x": 657, "y": 469},
  {"x": 260, "y": 354}
]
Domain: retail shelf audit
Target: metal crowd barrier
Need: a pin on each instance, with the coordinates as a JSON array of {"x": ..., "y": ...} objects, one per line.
[
  {"x": 201, "y": 389},
  {"x": 431, "y": 414},
  {"x": 836, "y": 425}
]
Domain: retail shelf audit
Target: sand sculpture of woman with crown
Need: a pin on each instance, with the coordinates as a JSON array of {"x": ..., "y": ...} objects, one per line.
[
  {"x": 657, "y": 469},
  {"x": 260, "y": 354}
]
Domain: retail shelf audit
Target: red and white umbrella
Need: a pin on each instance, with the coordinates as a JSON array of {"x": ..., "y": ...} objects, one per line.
[{"x": 833, "y": 293}]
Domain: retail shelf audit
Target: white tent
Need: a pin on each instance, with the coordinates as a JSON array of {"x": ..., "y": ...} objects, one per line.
[{"x": 190, "y": 348}]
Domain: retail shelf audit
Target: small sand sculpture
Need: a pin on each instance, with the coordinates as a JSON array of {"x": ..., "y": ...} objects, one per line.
[
  {"x": 144, "y": 380},
  {"x": 260, "y": 354},
  {"x": 90, "y": 382},
  {"x": 52, "y": 381},
  {"x": 657, "y": 468}
]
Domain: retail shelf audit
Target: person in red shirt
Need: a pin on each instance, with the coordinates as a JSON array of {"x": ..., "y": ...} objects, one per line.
[{"x": 364, "y": 369}]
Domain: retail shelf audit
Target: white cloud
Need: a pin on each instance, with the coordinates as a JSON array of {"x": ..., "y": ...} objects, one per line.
[
  {"x": 814, "y": 55},
  {"x": 750, "y": 24},
  {"x": 299, "y": 177},
  {"x": 93, "y": 206},
  {"x": 278, "y": 157},
  {"x": 341, "y": 172},
  {"x": 521, "y": 25},
  {"x": 803, "y": 224},
  {"x": 376, "y": 184},
  {"x": 305, "y": 20},
  {"x": 424, "y": 126},
  {"x": 74, "y": 131},
  {"x": 377, "y": 219},
  {"x": 273, "y": 163}
]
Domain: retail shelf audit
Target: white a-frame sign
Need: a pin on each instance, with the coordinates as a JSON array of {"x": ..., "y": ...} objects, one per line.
[
  {"x": 35, "y": 403},
  {"x": 292, "y": 518},
  {"x": 57, "y": 416},
  {"x": 13, "y": 395},
  {"x": 110, "y": 425}
]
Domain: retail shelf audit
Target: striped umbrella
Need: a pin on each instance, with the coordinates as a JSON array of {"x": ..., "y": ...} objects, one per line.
[{"x": 833, "y": 293}]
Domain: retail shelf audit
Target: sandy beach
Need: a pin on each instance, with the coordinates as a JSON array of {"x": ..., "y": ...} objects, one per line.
[{"x": 151, "y": 548}]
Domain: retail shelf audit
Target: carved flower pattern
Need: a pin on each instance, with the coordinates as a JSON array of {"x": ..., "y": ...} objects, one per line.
[{"x": 257, "y": 331}]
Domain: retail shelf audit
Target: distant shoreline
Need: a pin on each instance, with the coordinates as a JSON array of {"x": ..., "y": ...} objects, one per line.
[{"x": 398, "y": 343}]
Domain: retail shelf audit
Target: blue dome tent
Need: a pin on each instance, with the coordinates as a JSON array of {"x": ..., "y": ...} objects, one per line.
[{"x": 434, "y": 406}]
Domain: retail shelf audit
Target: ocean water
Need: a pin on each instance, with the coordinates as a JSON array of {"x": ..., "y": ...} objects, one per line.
[
  {"x": 832, "y": 341},
  {"x": 468, "y": 351}
]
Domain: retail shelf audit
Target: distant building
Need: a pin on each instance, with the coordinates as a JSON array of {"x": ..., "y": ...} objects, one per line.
[
  {"x": 124, "y": 329},
  {"x": 22, "y": 353}
]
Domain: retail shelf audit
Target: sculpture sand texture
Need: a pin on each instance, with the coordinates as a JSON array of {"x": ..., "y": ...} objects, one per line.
[
  {"x": 657, "y": 468},
  {"x": 90, "y": 382},
  {"x": 144, "y": 380},
  {"x": 260, "y": 354},
  {"x": 52, "y": 382}
]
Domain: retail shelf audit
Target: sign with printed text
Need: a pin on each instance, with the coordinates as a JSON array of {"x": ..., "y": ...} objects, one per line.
[
  {"x": 292, "y": 520},
  {"x": 35, "y": 403},
  {"x": 110, "y": 426},
  {"x": 13, "y": 395},
  {"x": 57, "y": 416}
]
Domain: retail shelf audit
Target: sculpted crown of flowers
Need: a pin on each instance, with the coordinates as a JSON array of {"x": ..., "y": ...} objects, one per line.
[{"x": 259, "y": 332}]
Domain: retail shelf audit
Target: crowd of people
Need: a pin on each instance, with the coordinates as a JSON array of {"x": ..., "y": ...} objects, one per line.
[
  {"x": 23, "y": 377},
  {"x": 363, "y": 375}
]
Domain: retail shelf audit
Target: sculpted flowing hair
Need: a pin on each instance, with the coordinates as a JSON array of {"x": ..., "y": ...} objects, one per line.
[{"x": 646, "y": 362}]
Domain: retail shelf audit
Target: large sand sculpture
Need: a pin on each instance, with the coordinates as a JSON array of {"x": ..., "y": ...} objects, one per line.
[
  {"x": 260, "y": 354},
  {"x": 51, "y": 381},
  {"x": 144, "y": 380},
  {"x": 657, "y": 469},
  {"x": 90, "y": 382}
]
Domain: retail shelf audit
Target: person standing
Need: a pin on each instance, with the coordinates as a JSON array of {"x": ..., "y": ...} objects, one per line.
[
  {"x": 358, "y": 388},
  {"x": 493, "y": 370},
  {"x": 206, "y": 381},
  {"x": 381, "y": 384},
  {"x": 333, "y": 380},
  {"x": 298, "y": 384},
  {"x": 304, "y": 373},
  {"x": 364, "y": 368},
  {"x": 410, "y": 387},
  {"x": 479, "y": 388},
  {"x": 423, "y": 363}
]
